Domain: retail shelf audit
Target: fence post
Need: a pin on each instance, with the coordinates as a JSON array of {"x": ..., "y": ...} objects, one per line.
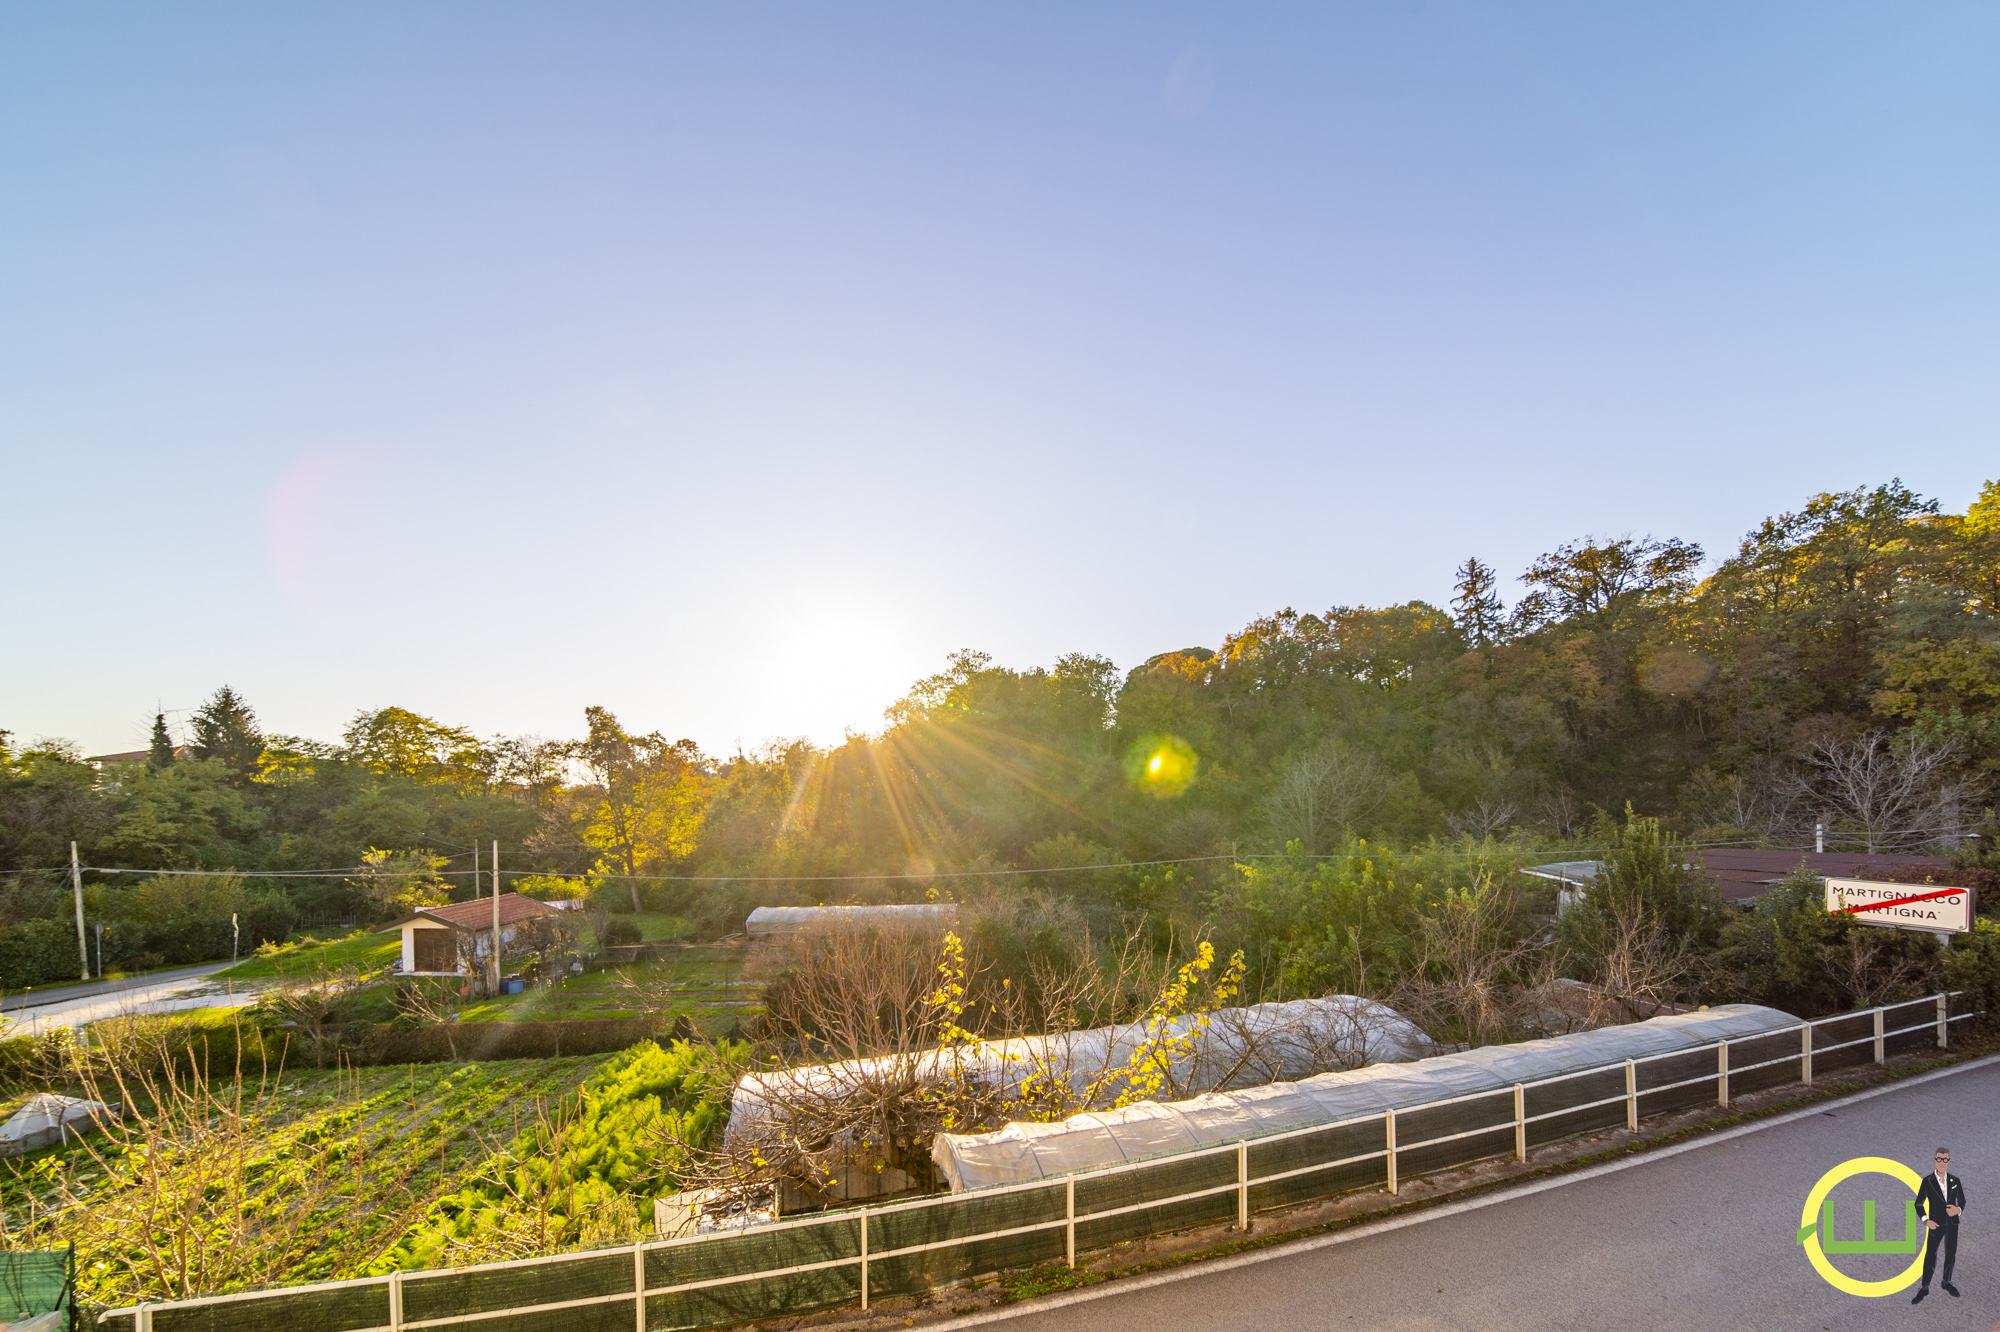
[
  {"x": 864, "y": 1258},
  {"x": 1631, "y": 1096},
  {"x": 142, "y": 1319},
  {"x": 1944, "y": 1020},
  {"x": 1520, "y": 1122},
  {"x": 1805, "y": 1054},
  {"x": 1243, "y": 1186},
  {"x": 395, "y": 1301},
  {"x": 639, "y": 1287},
  {"x": 1069, "y": 1220},
  {"x": 1389, "y": 1118},
  {"x": 1879, "y": 1049},
  {"x": 1722, "y": 1075}
]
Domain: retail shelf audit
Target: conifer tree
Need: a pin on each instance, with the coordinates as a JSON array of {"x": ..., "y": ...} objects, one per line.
[
  {"x": 225, "y": 728},
  {"x": 161, "y": 753},
  {"x": 1477, "y": 607}
]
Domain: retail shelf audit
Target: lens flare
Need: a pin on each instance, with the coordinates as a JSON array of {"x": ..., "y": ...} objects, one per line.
[{"x": 1160, "y": 765}]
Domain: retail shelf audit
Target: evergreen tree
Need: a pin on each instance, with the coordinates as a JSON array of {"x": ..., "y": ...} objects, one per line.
[
  {"x": 161, "y": 752},
  {"x": 225, "y": 728},
  {"x": 1477, "y": 607}
]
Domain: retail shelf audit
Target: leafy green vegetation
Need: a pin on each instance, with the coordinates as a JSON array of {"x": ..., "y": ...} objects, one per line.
[
  {"x": 587, "y": 1170},
  {"x": 297, "y": 1176}
]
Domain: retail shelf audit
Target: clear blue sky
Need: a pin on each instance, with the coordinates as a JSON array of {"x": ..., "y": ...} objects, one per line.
[{"x": 729, "y": 365}]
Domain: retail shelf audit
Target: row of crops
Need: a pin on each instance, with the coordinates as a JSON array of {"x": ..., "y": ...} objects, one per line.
[{"x": 218, "y": 1185}]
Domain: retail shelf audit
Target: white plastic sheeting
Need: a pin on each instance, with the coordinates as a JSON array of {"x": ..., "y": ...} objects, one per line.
[
  {"x": 47, "y": 1119},
  {"x": 770, "y": 922},
  {"x": 1089, "y": 1141},
  {"x": 1240, "y": 1047}
]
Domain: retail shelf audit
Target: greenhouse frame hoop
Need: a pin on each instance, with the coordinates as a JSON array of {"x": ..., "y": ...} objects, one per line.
[{"x": 863, "y": 1219}]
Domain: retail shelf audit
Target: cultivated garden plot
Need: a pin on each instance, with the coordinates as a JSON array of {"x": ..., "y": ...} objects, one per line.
[{"x": 301, "y": 1175}]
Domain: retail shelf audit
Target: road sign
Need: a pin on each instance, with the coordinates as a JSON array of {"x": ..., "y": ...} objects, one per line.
[{"x": 1903, "y": 906}]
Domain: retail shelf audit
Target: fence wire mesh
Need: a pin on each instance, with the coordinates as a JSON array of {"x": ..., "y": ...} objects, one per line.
[{"x": 35, "y": 1283}]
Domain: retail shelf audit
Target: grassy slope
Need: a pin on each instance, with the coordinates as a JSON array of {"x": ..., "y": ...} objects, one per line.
[
  {"x": 706, "y": 986},
  {"x": 360, "y": 950}
]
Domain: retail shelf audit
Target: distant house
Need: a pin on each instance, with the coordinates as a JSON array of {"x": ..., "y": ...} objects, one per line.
[
  {"x": 454, "y": 940},
  {"x": 1744, "y": 876}
]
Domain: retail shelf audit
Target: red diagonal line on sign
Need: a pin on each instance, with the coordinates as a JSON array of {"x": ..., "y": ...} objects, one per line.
[{"x": 1904, "y": 901}]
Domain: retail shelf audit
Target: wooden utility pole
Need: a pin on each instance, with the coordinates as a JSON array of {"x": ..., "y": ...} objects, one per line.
[
  {"x": 493, "y": 966},
  {"x": 76, "y": 882}
]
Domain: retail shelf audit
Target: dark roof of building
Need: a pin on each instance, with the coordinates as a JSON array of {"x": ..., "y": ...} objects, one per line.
[
  {"x": 138, "y": 755},
  {"x": 1745, "y": 874},
  {"x": 477, "y": 914}
]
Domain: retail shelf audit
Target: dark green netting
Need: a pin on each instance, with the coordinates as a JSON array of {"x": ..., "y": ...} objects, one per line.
[
  {"x": 919, "y": 1272},
  {"x": 442, "y": 1294},
  {"x": 1310, "y": 1149},
  {"x": 1780, "y": 1052},
  {"x": 611, "y": 1316},
  {"x": 1859, "y": 1028},
  {"x": 33, "y": 1284},
  {"x": 1153, "y": 1182},
  {"x": 341, "y": 1309},
  {"x": 754, "y": 1251},
  {"x": 1658, "y": 1095},
  {"x": 968, "y": 1215},
  {"x": 1920, "y": 1014},
  {"x": 1561, "y": 1102},
  {"x": 762, "y": 1297}
]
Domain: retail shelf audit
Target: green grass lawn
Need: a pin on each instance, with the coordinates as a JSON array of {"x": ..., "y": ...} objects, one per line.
[
  {"x": 360, "y": 950},
  {"x": 704, "y": 984},
  {"x": 654, "y": 927}
]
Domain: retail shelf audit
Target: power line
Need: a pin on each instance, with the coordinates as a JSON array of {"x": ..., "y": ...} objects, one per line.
[{"x": 922, "y": 875}]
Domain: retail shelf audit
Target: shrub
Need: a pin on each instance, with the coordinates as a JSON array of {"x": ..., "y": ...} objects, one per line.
[
  {"x": 38, "y": 952},
  {"x": 620, "y": 932}
]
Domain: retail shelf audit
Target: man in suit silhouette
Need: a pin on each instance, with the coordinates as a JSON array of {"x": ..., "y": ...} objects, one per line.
[{"x": 1941, "y": 1199}]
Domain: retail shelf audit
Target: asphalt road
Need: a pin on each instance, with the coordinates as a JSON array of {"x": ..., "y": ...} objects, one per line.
[
  {"x": 1703, "y": 1240},
  {"x": 63, "y": 994},
  {"x": 159, "y": 992}
]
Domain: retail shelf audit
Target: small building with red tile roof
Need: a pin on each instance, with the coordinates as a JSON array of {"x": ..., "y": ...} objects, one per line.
[{"x": 453, "y": 940}]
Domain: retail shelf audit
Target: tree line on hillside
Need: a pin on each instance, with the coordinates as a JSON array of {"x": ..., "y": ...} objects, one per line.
[{"x": 1839, "y": 671}]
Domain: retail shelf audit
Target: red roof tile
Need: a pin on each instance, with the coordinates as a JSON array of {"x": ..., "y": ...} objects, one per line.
[{"x": 478, "y": 913}]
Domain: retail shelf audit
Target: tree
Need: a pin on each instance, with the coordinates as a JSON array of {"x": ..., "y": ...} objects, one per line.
[
  {"x": 650, "y": 798},
  {"x": 160, "y": 754},
  {"x": 1891, "y": 794},
  {"x": 1477, "y": 609},
  {"x": 225, "y": 728},
  {"x": 401, "y": 743},
  {"x": 1649, "y": 900},
  {"x": 1595, "y": 579},
  {"x": 1324, "y": 793},
  {"x": 396, "y": 882}
]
